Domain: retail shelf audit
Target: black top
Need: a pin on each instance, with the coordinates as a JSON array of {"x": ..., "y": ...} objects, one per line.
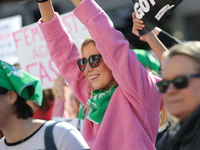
[{"x": 182, "y": 136}]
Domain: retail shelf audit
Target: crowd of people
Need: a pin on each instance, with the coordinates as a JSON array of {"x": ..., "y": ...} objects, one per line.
[{"x": 130, "y": 100}]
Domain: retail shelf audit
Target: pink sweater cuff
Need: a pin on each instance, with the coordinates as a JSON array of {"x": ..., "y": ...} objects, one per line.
[
  {"x": 87, "y": 8},
  {"x": 53, "y": 26}
]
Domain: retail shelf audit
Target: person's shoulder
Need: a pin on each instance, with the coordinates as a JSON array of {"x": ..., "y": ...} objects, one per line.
[
  {"x": 2, "y": 142},
  {"x": 60, "y": 125},
  {"x": 63, "y": 125}
]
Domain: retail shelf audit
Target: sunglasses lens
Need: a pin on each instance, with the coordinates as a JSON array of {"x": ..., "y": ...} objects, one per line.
[
  {"x": 180, "y": 82},
  {"x": 162, "y": 86},
  {"x": 82, "y": 63},
  {"x": 94, "y": 60}
]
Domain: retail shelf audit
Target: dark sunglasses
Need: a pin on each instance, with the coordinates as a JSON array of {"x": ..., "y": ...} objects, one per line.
[
  {"x": 179, "y": 82},
  {"x": 93, "y": 60}
]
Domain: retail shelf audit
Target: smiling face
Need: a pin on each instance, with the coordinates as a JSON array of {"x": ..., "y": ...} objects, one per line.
[
  {"x": 181, "y": 102},
  {"x": 101, "y": 76}
]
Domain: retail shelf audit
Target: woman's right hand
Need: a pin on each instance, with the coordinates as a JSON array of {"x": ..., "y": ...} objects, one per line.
[{"x": 59, "y": 87}]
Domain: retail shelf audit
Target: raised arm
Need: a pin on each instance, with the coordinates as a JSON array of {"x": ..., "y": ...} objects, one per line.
[
  {"x": 63, "y": 50},
  {"x": 155, "y": 44},
  {"x": 76, "y": 2},
  {"x": 46, "y": 10}
]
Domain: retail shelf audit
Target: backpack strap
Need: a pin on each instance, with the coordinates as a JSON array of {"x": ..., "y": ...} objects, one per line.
[{"x": 48, "y": 136}]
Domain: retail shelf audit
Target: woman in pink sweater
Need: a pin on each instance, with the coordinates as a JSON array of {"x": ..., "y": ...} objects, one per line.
[{"x": 125, "y": 106}]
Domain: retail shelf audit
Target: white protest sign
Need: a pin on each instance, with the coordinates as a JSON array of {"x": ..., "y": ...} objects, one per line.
[
  {"x": 7, "y": 45},
  {"x": 78, "y": 123},
  {"x": 33, "y": 52}
]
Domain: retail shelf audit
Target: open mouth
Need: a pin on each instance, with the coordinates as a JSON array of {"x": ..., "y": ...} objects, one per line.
[{"x": 94, "y": 77}]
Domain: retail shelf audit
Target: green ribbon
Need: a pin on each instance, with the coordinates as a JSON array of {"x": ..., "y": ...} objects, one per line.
[
  {"x": 16, "y": 80},
  {"x": 99, "y": 103}
]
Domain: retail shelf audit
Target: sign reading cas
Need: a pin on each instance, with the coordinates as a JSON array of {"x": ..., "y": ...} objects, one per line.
[
  {"x": 153, "y": 12},
  {"x": 33, "y": 52}
]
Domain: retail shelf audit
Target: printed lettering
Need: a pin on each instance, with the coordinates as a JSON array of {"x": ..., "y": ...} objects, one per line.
[
  {"x": 138, "y": 10},
  {"x": 43, "y": 70},
  {"x": 52, "y": 69},
  {"x": 35, "y": 31},
  {"x": 16, "y": 39},
  {"x": 26, "y": 37},
  {"x": 67, "y": 25},
  {"x": 40, "y": 53},
  {"x": 143, "y": 7}
]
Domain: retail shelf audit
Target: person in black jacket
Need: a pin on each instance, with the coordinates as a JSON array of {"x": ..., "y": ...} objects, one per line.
[{"x": 181, "y": 94}]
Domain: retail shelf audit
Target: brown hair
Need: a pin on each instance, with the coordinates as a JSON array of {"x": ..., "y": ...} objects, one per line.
[
  {"x": 21, "y": 108},
  {"x": 47, "y": 96},
  {"x": 190, "y": 49}
]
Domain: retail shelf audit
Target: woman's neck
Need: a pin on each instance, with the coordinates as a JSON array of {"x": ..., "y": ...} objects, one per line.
[{"x": 17, "y": 130}]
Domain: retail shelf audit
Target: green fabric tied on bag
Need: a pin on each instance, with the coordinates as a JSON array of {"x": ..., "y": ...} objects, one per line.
[
  {"x": 99, "y": 103},
  {"x": 80, "y": 113},
  {"x": 16, "y": 80}
]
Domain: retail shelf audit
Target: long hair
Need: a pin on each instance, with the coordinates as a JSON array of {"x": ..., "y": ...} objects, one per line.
[{"x": 85, "y": 42}]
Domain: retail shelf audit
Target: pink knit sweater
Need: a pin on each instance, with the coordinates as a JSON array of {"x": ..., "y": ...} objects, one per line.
[{"x": 132, "y": 116}]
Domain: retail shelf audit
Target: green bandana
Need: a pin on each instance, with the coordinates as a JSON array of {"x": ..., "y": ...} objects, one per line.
[
  {"x": 147, "y": 60},
  {"x": 16, "y": 80},
  {"x": 98, "y": 104}
]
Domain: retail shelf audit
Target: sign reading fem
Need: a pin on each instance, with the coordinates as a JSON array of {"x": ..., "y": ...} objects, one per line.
[
  {"x": 153, "y": 12},
  {"x": 33, "y": 52}
]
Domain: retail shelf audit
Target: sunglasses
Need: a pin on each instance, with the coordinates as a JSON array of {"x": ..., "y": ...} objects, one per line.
[
  {"x": 179, "y": 82},
  {"x": 93, "y": 60}
]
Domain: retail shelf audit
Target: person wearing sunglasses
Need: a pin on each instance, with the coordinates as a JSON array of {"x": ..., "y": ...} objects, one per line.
[
  {"x": 120, "y": 96},
  {"x": 180, "y": 87}
]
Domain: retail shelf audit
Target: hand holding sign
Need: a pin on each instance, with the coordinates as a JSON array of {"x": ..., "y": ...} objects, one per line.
[
  {"x": 138, "y": 25},
  {"x": 153, "y": 12}
]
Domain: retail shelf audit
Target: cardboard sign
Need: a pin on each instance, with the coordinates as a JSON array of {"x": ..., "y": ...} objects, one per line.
[
  {"x": 78, "y": 123},
  {"x": 153, "y": 12},
  {"x": 7, "y": 45},
  {"x": 33, "y": 52}
]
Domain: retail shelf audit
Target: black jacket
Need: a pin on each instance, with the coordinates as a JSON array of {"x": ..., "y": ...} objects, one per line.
[{"x": 182, "y": 136}]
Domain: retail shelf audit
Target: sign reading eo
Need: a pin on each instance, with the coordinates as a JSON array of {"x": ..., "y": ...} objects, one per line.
[{"x": 153, "y": 12}]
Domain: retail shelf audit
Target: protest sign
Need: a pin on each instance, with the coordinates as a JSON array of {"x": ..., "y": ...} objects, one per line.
[
  {"x": 7, "y": 45},
  {"x": 78, "y": 123},
  {"x": 153, "y": 12},
  {"x": 33, "y": 52}
]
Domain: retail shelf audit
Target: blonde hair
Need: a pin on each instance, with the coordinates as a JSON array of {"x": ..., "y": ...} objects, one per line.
[{"x": 85, "y": 42}]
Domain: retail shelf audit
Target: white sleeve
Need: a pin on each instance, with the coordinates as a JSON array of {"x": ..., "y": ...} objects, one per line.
[{"x": 67, "y": 137}]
